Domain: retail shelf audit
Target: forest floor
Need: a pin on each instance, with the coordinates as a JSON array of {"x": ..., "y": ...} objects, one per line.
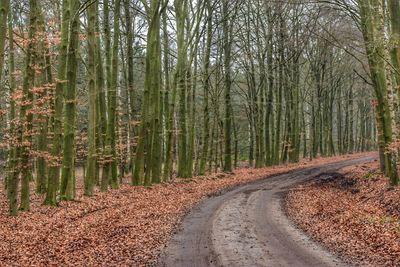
[
  {"x": 129, "y": 226},
  {"x": 248, "y": 226},
  {"x": 353, "y": 212}
]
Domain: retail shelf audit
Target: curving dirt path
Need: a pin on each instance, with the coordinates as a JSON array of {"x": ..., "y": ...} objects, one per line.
[{"x": 248, "y": 227}]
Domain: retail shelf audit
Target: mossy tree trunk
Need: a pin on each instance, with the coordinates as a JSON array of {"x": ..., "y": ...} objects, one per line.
[
  {"x": 105, "y": 181},
  {"x": 181, "y": 10},
  {"x": 45, "y": 79},
  {"x": 67, "y": 189},
  {"x": 91, "y": 158},
  {"x": 130, "y": 79},
  {"x": 25, "y": 138},
  {"x": 169, "y": 104},
  {"x": 227, "y": 26},
  {"x": 101, "y": 117},
  {"x": 148, "y": 153},
  {"x": 54, "y": 166},
  {"x": 110, "y": 169},
  {"x": 206, "y": 89},
  {"x": 4, "y": 7},
  {"x": 12, "y": 168},
  {"x": 371, "y": 13}
]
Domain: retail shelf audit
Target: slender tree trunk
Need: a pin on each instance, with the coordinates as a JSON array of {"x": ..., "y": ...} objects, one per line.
[
  {"x": 394, "y": 42},
  {"x": 4, "y": 7},
  {"x": 110, "y": 168},
  {"x": 25, "y": 115},
  {"x": 169, "y": 106},
  {"x": 54, "y": 168},
  {"x": 227, "y": 43},
  {"x": 13, "y": 170},
  {"x": 105, "y": 181},
  {"x": 101, "y": 117},
  {"x": 131, "y": 86},
  {"x": 181, "y": 76},
  {"x": 44, "y": 64},
  {"x": 206, "y": 89},
  {"x": 91, "y": 158},
  {"x": 269, "y": 109},
  {"x": 167, "y": 87},
  {"x": 192, "y": 122}
]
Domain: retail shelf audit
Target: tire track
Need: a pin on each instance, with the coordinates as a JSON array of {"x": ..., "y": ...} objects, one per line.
[{"x": 247, "y": 226}]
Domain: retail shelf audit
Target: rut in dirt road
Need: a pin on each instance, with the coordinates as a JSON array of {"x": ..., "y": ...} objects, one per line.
[{"x": 248, "y": 227}]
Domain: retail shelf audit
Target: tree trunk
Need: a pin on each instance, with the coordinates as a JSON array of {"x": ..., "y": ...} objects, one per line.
[
  {"x": 54, "y": 168},
  {"x": 91, "y": 158},
  {"x": 206, "y": 88},
  {"x": 148, "y": 164},
  {"x": 13, "y": 170},
  {"x": 227, "y": 44},
  {"x": 4, "y": 7},
  {"x": 110, "y": 169},
  {"x": 68, "y": 167},
  {"x": 25, "y": 115}
]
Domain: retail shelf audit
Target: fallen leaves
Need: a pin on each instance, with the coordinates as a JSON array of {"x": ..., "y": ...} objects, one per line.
[
  {"x": 125, "y": 227},
  {"x": 354, "y": 213}
]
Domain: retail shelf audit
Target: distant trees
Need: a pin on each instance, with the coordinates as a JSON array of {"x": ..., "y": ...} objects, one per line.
[{"x": 160, "y": 89}]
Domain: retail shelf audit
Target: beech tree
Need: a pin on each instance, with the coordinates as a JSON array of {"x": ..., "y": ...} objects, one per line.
[
  {"x": 148, "y": 152},
  {"x": 102, "y": 93},
  {"x": 11, "y": 182},
  {"x": 68, "y": 179},
  {"x": 372, "y": 23},
  {"x": 91, "y": 165},
  {"x": 54, "y": 168}
]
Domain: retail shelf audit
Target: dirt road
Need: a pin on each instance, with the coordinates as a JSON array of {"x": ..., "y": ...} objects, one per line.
[{"x": 248, "y": 227}]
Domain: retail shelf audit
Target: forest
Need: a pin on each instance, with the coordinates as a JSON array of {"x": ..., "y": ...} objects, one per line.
[{"x": 101, "y": 95}]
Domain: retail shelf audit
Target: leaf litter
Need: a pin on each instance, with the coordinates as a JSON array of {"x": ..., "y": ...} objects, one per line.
[
  {"x": 354, "y": 212},
  {"x": 126, "y": 227}
]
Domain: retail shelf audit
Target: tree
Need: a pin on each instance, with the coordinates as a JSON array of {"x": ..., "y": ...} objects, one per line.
[
  {"x": 110, "y": 174},
  {"x": 181, "y": 10},
  {"x": 130, "y": 77},
  {"x": 227, "y": 25},
  {"x": 4, "y": 7},
  {"x": 213, "y": 84},
  {"x": 54, "y": 168},
  {"x": 12, "y": 168},
  {"x": 67, "y": 189},
  {"x": 92, "y": 158},
  {"x": 373, "y": 31},
  {"x": 206, "y": 88},
  {"x": 25, "y": 138},
  {"x": 148, "y": 151}
]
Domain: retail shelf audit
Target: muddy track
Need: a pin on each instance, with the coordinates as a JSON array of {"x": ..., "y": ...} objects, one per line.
[{"x": 247, "y": 226}]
